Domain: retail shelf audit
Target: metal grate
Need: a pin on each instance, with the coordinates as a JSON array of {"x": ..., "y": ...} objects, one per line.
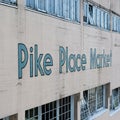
[
  {"x": 49, "y": 111},
  {"x": 57, "y": 110},
  {"x": 84, "y": 111},
  {"x": 93, "y": 102},
  {"x": 31, "y": 114},
  {"x": 65, "y": 108}
]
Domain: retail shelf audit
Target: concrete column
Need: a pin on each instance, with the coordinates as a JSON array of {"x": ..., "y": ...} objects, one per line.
[
  {"x": 21, "y": 37},
  {"x": 21, "y": 20},
  {"x": 77, "y": 106},
  {"x": 82, "y": 23},
  {"x": 78, "y": 110}
]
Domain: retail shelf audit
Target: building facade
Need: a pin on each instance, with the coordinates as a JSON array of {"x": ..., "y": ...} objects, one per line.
[{"x": 59, "y": 60}]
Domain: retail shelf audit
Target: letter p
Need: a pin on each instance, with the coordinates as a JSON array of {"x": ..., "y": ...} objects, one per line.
[{"x": 22, "y": 61}]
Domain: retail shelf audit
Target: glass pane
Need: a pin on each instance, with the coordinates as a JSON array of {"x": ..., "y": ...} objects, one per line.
[
  {"x": 95, "y": 15},
  {"x": 30, "y": 3},
  {"x": 49, "y": 111},
  {"x": 100, "y": 96},
  {"x": 119, "y": 24},
  {"x": 36, "y": 111},
  {"x": 66, "y": 9},
  {"x": 98, "y": 17},
  {"x": 109, "y": 24},
  {"x": 115, "y": 23},
  {"x": 9, "y": 1},
  {"x": 71, "y": 9},
  {"x": 61, "y": 8},
  {"x": 52, "y": 6},
  {"x": 92, "y": 100},
  {"x": 115, "y": 98},
  {"x": 26, "y": 114},
  {"x": 84, "y": 113},
  {"x": 106, "y": 20},
  {"x": 36, "y": 118},
  {"x": 90, "y": 15},
  {"x": 77, "y": 10},
  {"x": 65, "y": 108},
  {"x": 102, "y": 19},
  {"x": 31, "y": 113},
  {"x": 42, "y": 5},
  {"x": 85, "y": 12}
]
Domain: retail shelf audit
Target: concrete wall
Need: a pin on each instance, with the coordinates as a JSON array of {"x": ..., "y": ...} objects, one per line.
[{"x": 8, "y": 61}]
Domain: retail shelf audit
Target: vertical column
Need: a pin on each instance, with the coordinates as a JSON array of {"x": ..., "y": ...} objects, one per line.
[
  {"x": 21, "y": 20},
  {"x": 111, "y": 5},
  {"x": 81, "y": 20},
  {"x": 40, "y": 113},
  {"x": 57, "y": 109},
  {"x": 78, "y": 110},
  {"x": 72, "y": 107},
  {"x": 21, "y": 38},
  {"x": 78, "y": 107},
  {"x": 21, "y": 112},
  {"x": 108, "y": 92}
]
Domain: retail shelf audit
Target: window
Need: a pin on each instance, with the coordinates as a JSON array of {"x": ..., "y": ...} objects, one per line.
[
  {"x": 115, "y": 99},
  {"x": 66, "y": 9},
  {"x": 12, "y": 117},
  {"x": 52, "y": 6},
  {"x": 94, "y": 15},
  {"x": 107, "y": 21},
  {"x": 12, "y": 2},
  {"x": 98, "y": 17},
  {"x": 31, "y": 114},
  {"x": 71, "y": 10},
  {"x": 85, "y": 12},
  {"x": 90, "y": 14},
  {"x": 100, "y": 97},
  {"x": 84, "y": 111},
  {"x": 65, "y": 109},
  {"x": 7, "y": 118},
  {"x": 57, "y": 110},
  {"x": 30, "y": 3},
  {"x": 77, "y": 10},
  {"x": 94, "y": 101},
  {"x": 102, "y": 19},
  {"x": 41, "y": 5},
  {"x": 119, "y": 25},
  {"x": 60, "y": 4},
  {"x": 115, "y": 23},
  {"x": 49, "y": 111}
]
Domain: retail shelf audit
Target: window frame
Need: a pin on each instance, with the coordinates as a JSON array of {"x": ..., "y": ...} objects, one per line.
[
  {"x": 113, "y": 98},
  {"x": 65, "y": 9},
  {"x": 91, "y": 96},
  {"x": 96, "y": 16},
  {"x": 57, "y": 107}
]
